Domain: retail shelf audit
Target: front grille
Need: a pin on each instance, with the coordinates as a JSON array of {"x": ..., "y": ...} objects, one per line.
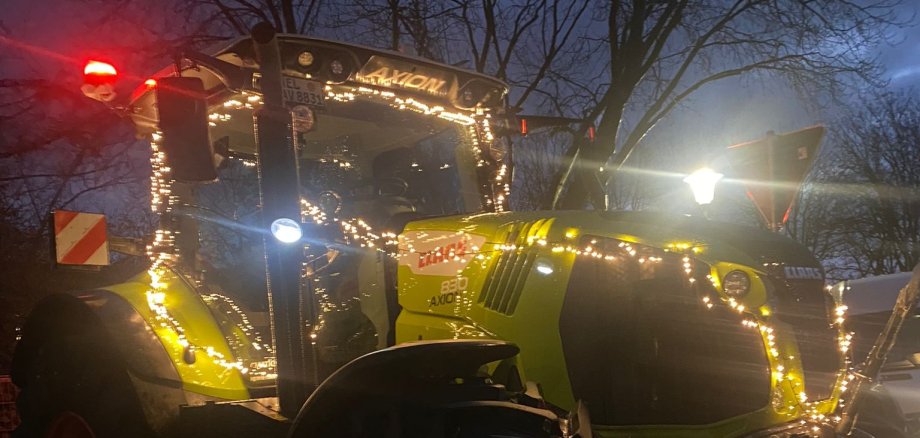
[
  {"x": 505, "y": 282},
  {"x": 808, "y": 308}
]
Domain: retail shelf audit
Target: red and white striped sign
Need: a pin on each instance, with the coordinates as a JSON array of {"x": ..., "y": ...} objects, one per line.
[{"x": 79, "y": 238}]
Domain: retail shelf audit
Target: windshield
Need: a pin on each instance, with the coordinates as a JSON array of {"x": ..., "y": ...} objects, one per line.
[{"x": 378, "y": 161}]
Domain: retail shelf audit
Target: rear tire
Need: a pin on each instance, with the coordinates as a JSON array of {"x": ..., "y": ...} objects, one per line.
[{"x": 66, "y": 363}]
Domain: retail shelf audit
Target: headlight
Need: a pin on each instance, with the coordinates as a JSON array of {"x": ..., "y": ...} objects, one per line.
[
  {"x": 736, "y": 284},
  {"x": 286, "y": 230}
]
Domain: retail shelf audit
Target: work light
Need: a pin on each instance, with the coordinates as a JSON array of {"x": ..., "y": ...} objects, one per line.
[
  {"x": 286, "y": 230},
  {"x": 703, "y": 184}
]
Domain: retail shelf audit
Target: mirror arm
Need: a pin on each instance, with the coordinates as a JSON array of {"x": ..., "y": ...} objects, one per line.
[
  {"x": 128, "y": 246},
  {"x": 232, "y": 76}
]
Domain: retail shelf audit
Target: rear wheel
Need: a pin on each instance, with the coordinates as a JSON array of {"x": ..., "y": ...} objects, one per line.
[
  {"x": 73, "y": 380},
  {"x": 69, "y": 425}
]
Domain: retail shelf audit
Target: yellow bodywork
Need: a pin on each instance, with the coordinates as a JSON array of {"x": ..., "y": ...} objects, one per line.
[
  {"x": 208, "y": 374},
  {"x": 552, "y": 238}
]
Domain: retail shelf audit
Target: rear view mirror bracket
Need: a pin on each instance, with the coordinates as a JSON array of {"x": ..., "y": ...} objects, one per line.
[{"x": 232, "y": 76}]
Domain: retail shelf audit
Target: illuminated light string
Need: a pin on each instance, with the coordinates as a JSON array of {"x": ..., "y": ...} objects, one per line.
[
  {"x": 245, "y": 326},
  {"x": 357, "y": 231},
  {"x": 249, "y": 101},
  {"x": 785, "y": 381},
  {"x": 350, "y": 94},
  {"x": 354, "y": 231},
  {"x": 162, "y": 253},
  {"x": 495, "y": 197},
  {"x": 264, "y": 369},
  {"x": 498, "y": 196}
]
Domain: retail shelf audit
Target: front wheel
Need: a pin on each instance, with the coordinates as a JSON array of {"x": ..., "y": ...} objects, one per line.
[{"x": 73, "y": 381}]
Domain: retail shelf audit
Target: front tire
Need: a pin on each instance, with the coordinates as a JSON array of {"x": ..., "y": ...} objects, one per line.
[{"x": 66, "y": 366}]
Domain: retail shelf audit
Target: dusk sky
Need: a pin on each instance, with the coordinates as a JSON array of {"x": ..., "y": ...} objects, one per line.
[
  {"x": 721, "y": 114},
  {"x": 72, "y": 27}
]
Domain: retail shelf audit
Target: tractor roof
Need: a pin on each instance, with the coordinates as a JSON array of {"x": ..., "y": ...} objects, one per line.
[{"x": 331, "y": 63}]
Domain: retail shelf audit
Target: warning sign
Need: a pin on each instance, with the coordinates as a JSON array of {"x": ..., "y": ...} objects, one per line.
[
  {"x": 80, "y": 238},
  {"x": 774, "y": 168}
]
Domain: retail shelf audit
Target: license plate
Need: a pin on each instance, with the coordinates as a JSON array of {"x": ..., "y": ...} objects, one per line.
[{"x": 296, "y": 91}]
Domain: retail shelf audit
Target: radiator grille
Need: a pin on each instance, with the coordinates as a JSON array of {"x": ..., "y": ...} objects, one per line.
[{"x": 504, "y": 283}]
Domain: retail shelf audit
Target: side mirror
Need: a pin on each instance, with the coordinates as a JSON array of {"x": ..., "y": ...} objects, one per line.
[{"x": 183, "y": 120}]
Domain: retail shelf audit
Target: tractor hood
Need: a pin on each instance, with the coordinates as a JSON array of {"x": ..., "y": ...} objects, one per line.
[
  {"x": 630, "y": 312},
  {"x": 725, "y": 241}
]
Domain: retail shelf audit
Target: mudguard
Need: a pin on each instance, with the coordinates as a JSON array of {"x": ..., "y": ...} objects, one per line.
[
  {"x": 419, "y": 389},
  {"x": 201, "y": 355}
]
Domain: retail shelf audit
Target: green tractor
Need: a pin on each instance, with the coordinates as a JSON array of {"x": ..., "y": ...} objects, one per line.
[{"x": 400, "y": 283}]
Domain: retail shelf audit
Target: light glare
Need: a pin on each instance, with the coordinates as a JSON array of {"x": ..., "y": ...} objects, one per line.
[
  {"x": 99, "y": 68},
  {"x": 703, "y": 184},
  {"x": 544, "y": 268},
  {"x": 286, "y": 230}
]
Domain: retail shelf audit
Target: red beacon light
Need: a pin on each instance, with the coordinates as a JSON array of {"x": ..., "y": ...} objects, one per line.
[
  {"x": 99, "y": 81},
  {"x": 99, "y": 69}
]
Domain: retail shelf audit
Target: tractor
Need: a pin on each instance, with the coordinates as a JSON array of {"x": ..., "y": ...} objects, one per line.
[{"x": 406, "y": 299}]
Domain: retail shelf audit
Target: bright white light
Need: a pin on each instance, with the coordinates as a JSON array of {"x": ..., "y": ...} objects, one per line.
[
  {"x": 703, "y": 183},
  {"x": 544, "y": 268},
  {"x": 286, "y": 230}
]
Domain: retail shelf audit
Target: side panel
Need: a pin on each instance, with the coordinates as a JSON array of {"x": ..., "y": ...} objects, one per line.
[{"x": 470, "y": 284}]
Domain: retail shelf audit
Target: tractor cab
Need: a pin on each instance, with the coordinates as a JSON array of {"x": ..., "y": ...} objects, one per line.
[
  {"x": 379, "y": 139},
  {"x": 368, "y": 125}
]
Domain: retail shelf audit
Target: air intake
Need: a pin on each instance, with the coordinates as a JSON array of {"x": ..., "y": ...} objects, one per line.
[{"x": 505, "y": 281}]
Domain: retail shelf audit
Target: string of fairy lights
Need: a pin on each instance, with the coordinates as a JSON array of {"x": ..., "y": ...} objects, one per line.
[
  {"x": 163, "y": 253},
  {"x": 496, "y": 194},
  {"x": 785, "y": 381},
  {"x": 357, "y": 232}
]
